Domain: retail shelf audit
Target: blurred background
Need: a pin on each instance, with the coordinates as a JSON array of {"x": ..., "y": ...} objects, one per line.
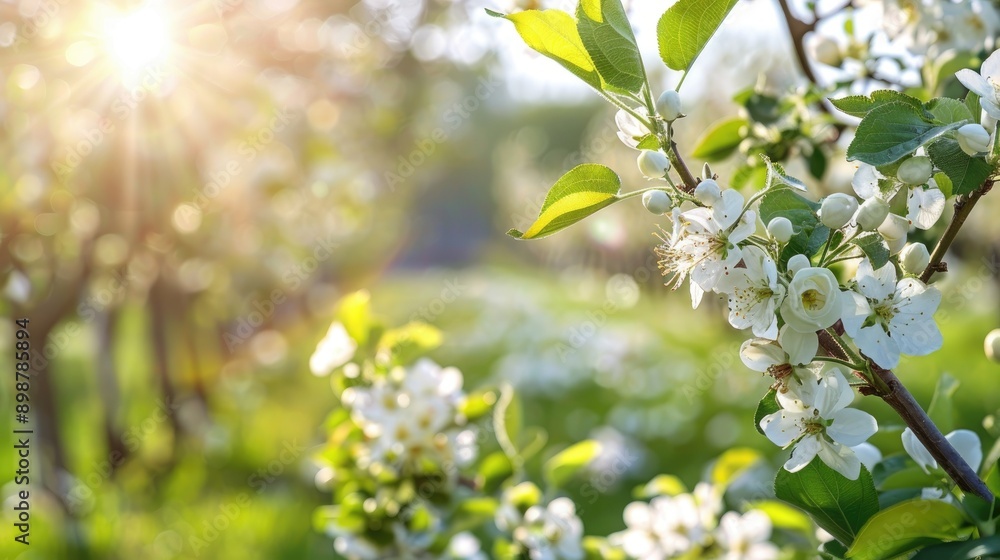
[{"x": 187, "y": 189}]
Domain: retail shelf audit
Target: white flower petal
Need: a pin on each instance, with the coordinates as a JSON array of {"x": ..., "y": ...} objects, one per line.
[
  {"x": 841, "y": 459},
  {"x": 868, "y": 454},
  {"x": 877, "y": 345},
  {"x": 782, "y": 427},
  {"x": 975, "y": 82},
  {"x": 991, "y": 66},
  {"x": 852, "y": 427},
  {"x": 759, "y": 354},
  {"x": 917, "y": 451},
  {"x": 856, "y": 311},
  {"x": 876, "y": 284},
  {"x": 801, "y": 348},
  {"x": 967, "y": 443},
  {"x": 803, "y": 454},
  {"x": 729, "y": 208},
  {"x": 865, "y": 181},
  {"x": 924, "y": 207}
]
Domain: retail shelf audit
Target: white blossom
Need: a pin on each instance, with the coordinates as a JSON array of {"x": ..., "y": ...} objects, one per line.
[
  {"x": 669, "y": 525},
  {"x": 704, "y": 244},
  {"x": 336, "y": 349},
  {"x": 985, "y": 84},
  {"x": 888, "y": 318},
  {"x": 668, "y": 105},
  {"x": 754, "y": 293},
  {"x": 746, "y": 537},
  {"x": 815, "y": 418},
  {"x": 966, "y": 442},
  {"x": 814, "y": 300},
  {"x": 553, "y": 532},
  {"x": 630, "y": 130}
]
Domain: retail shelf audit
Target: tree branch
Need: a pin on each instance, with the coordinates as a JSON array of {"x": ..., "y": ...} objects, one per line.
[
  {"x": 798, "y": 30},
  {"x": 963, "y": 207}
]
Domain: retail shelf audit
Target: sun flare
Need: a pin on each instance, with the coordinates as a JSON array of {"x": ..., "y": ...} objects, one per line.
[{"x": 136, "y": 39}]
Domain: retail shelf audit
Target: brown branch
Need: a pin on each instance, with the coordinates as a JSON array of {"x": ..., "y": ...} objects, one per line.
[
  {"x": 798, "y": 29},
  {"x": 690, "y": 183},
  {"x": 889, "y": 388},
  {"x": 963, "y": 207}
]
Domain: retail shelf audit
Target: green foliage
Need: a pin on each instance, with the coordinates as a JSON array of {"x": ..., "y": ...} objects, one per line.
[
  {"x": 660, "y": 485},
  {"x": 891, "y": 131},
  {"x": 966, "y": 172},
  {"x": 554, "y": 34},
  {"x": 721, "y": 140},
  {"x": 838, "y": 505},
  {"x": 606, "y": 34},
  {"x": 860, "y": 105},
  {"x": 874, "y": 247},
  {"x": 733, "y": 463},
  {"x": 686, "y": 27},
  {"x": 973, "y": 549},
  {"x": 562, "y": 467},
  {"x": 947, "y": 110},
  {"x": 905, "y": 527},
  {"x": 579, "y": 193},
  {"x": 810, "y": 234}
]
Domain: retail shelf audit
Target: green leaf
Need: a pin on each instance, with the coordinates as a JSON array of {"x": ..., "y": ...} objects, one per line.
[
  {"x": 608, "y": 38},
  {"x": 767, "y": 405},
  {"x": 968, "y": 550},
  {"x": 733, "y": 463},
  {"x": 579, "y": 193},
  {"x": 354, "y": 312},
  {"x": 944, "y": 184},
  {"x": 947, "y": 110},
  {"x": 874, "y": 247},
  {"x": 649, "y": 142},
  {"x": 809, "y": 233},
  {"x": 493, "y": 470},
  {"x": 966, "y": 172},
  {"x": 992, "y": 479},
  {"x": 838, "y": 505},
  {"x": 784, "y": 516},
  {"x": 553, "y": 33},
  {"x": 776, "y": 177},
  {"x": 892, "y": 131},
  {"x": 905, "y": 527},
  {"x": 941, "y": 410},
  {"x": 817, "y": 163},
  {"x": 686, "y": 28},
  {"x": 832, "y": 550},
  {"x": 478, "y": 404},
  {"x": 972, "y": 104},
  {"x": 561, "y": 468},
  {"x": 721, "y": 139},
  {"x": 860, "y": 105}
]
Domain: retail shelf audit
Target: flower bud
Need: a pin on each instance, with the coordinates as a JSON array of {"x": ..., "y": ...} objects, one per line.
[
  {"x": 915, "y": 171},
  {"x": 826, "y": 51},
  {"x": 914, "y": 258},
  {"x": 992, "y": 345},
  {"x": 653, "y": 165},
  {"x": 973, "y": 139},
  {"x": 706, "y": 171},
  {"x": 894, "y": 227},
  {"x": 657, "y": 202},
  {"x": 872, "y": 213},
  {"x": 837, "y": 209},
  {"x": 780, "y": 229},
  {"x": 669, "y": 105},
  {"x": 708, "y": 192},
  {"x": 797, "y": 263},
  {"x": 895, "y": 245}
]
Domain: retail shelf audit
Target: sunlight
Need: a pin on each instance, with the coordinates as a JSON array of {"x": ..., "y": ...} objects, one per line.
[{"x": 136, "y": 39}]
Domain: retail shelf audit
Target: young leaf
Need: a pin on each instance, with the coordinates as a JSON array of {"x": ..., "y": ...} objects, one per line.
[
  {"x": 905, "y": 527},
  {"x": 860, "y": 105},
  {"x": 564, "y": 465},
  {"x": 720, "y": 140},
  {"x": 874, "y": 247},
  {"x": 776, "y": 177},
  {"x": 553, "y": 34},
  {"x": 733, "y": 463},
  {"x": 966, "y": 172},
  {"x": 892, "y": 131},
  {"x": 579, "y": 193},
  {"x": 972, "y": 104},
  {"x": 947, "y": 110},
  {"x": 968, "y": 550},
  {"x": 608, "y": 38},
  {"x": 686, "y": 27},
  {"x": 838, "y": 505}
]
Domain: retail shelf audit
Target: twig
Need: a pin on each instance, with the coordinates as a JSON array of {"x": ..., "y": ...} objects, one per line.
[
  {"x": 963, "y": 207},
  {"x": 798, "y": 30}
]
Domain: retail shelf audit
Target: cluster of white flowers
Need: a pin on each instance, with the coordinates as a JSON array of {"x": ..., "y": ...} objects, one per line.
[
  {"x": 718, "y": 243},
  {"x": 674, "y": 526},
  {"x": 933, "y": 27},
  {"x": 550, "y": 532},
  {"x": 412, "y": 414}
]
